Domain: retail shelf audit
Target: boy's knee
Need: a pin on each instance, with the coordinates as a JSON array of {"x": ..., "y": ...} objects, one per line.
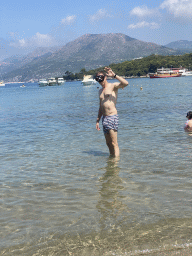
[{"x": 114, "y": 144}]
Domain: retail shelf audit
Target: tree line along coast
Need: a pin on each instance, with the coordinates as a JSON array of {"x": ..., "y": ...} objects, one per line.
[{"x": 138, "y": 67}]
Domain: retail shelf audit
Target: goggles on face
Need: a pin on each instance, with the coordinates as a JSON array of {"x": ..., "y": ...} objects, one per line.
[{"x": 99, "y": 78}]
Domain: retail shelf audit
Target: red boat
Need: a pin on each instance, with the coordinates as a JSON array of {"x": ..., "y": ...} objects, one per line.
[{"x": 166, "y": 72}]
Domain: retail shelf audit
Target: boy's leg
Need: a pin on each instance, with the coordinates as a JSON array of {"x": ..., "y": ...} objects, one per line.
[{"x": 111, "y": 141}]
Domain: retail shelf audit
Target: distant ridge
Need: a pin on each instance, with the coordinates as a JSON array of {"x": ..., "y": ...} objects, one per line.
[
  {"x": 17, "y": 61},
  {"x": 89, "y": 51},
  {"x": 183, "y": 45}
]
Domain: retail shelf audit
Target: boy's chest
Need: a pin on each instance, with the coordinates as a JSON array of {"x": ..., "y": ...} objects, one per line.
[{"x": 105, "y": 94}]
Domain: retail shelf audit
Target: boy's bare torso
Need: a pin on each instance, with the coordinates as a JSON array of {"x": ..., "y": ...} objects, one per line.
[
  {"x": 188, "y": 127},
  {"x": 108, "y": 100}
]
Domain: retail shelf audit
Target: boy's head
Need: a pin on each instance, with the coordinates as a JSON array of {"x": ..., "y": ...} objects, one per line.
[
  {"x": 189, "y": 115},
  {"x": 100, "y": 76}
]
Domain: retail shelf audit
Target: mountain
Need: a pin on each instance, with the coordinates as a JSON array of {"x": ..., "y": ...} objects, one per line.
[
  {"x": 8, "y": 49},
  {"x": 89, "y": 51},
  {"x": 17, "y": 61},
  {"x": 183, "y": 45}
]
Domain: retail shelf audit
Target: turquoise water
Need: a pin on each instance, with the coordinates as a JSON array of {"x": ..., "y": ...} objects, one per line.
[{"x": 61, "y": 194}]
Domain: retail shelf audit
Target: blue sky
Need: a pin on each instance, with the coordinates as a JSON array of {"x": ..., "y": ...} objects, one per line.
[{"x": 28, "y": 24}]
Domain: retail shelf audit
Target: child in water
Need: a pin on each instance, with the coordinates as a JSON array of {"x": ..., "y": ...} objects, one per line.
[{"x": 188, "y": 124}]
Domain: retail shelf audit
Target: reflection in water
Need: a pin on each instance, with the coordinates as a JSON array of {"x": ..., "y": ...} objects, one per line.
[{"x": 110, "y": 203}]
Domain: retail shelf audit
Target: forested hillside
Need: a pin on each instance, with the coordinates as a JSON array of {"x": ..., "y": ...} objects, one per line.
[
  {"x": 141, "y": 67},
  {"x": 150, "y": 64}
]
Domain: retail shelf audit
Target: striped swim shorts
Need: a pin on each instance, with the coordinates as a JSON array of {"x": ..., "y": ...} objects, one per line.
[{"x": 110, "y": 123}]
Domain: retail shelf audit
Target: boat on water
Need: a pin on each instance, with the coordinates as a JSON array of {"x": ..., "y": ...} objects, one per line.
[
  {"x": 88, "y": 80},
  {"x": 42, "y": 82},
  {"x": 52, "y": 81},
  {"x": 60, "y": 81},
  {"x": 2, "y": 83},
  {"x": 166, "y": 72},
  {"x": 187, "y": 73}
]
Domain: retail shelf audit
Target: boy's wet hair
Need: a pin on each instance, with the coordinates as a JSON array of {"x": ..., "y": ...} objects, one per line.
[
  {"x": 100, "y": 72},
  {"x": 189, "y": 115}
]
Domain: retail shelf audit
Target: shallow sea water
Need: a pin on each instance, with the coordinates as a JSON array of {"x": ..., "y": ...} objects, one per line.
[{"x": 61, "y": 194}]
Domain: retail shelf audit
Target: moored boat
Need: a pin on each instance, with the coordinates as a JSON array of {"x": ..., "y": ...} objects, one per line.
[
  {"x": 42, "y": 82},
  {"x": 88, "y": 80},
  {"x": 155, "y": 75},
  {"x": 166, "y": 72},
  {"x": 60, "y": 81},
  {"x": 187, "y": 73},
  {"x": 52, "y": 81},
  {"x": 2, "y": 83}
]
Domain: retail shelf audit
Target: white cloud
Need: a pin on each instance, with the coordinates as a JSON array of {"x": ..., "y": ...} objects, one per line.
[
  {"x": 42, "y": 39},
  {"x": 22, "y": 42},
  {"x": 13, "y": 35},
  {"x": 179, "y": 8},
  {"x": 69, "y": 20},
  {"x": 38, "y": 40},
  {"x": 142, "y": 24},
  {"x": 100, "y": 14},
  {"x": 144, "y": 12}
]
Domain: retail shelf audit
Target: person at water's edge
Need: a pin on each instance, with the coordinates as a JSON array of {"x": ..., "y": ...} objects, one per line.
[{"x": 107, "y": 109}]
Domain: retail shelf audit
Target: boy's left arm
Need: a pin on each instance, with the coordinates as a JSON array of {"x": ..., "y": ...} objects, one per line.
[{"x": 123, "y": 83}]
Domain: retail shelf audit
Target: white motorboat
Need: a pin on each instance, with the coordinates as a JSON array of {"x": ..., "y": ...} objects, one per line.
[
  {"x": 60, "y": 81},
  {"x": 187, "y": 73},
  {"x": 88, "y": 80},
  {"x": 2, "y": 83},
  {"x": 52, "y": 81},
  {"x": 42, "y": 82}
]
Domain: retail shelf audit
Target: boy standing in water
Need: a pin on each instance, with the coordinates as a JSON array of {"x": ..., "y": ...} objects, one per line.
[{"x": 107, "y": 109}]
